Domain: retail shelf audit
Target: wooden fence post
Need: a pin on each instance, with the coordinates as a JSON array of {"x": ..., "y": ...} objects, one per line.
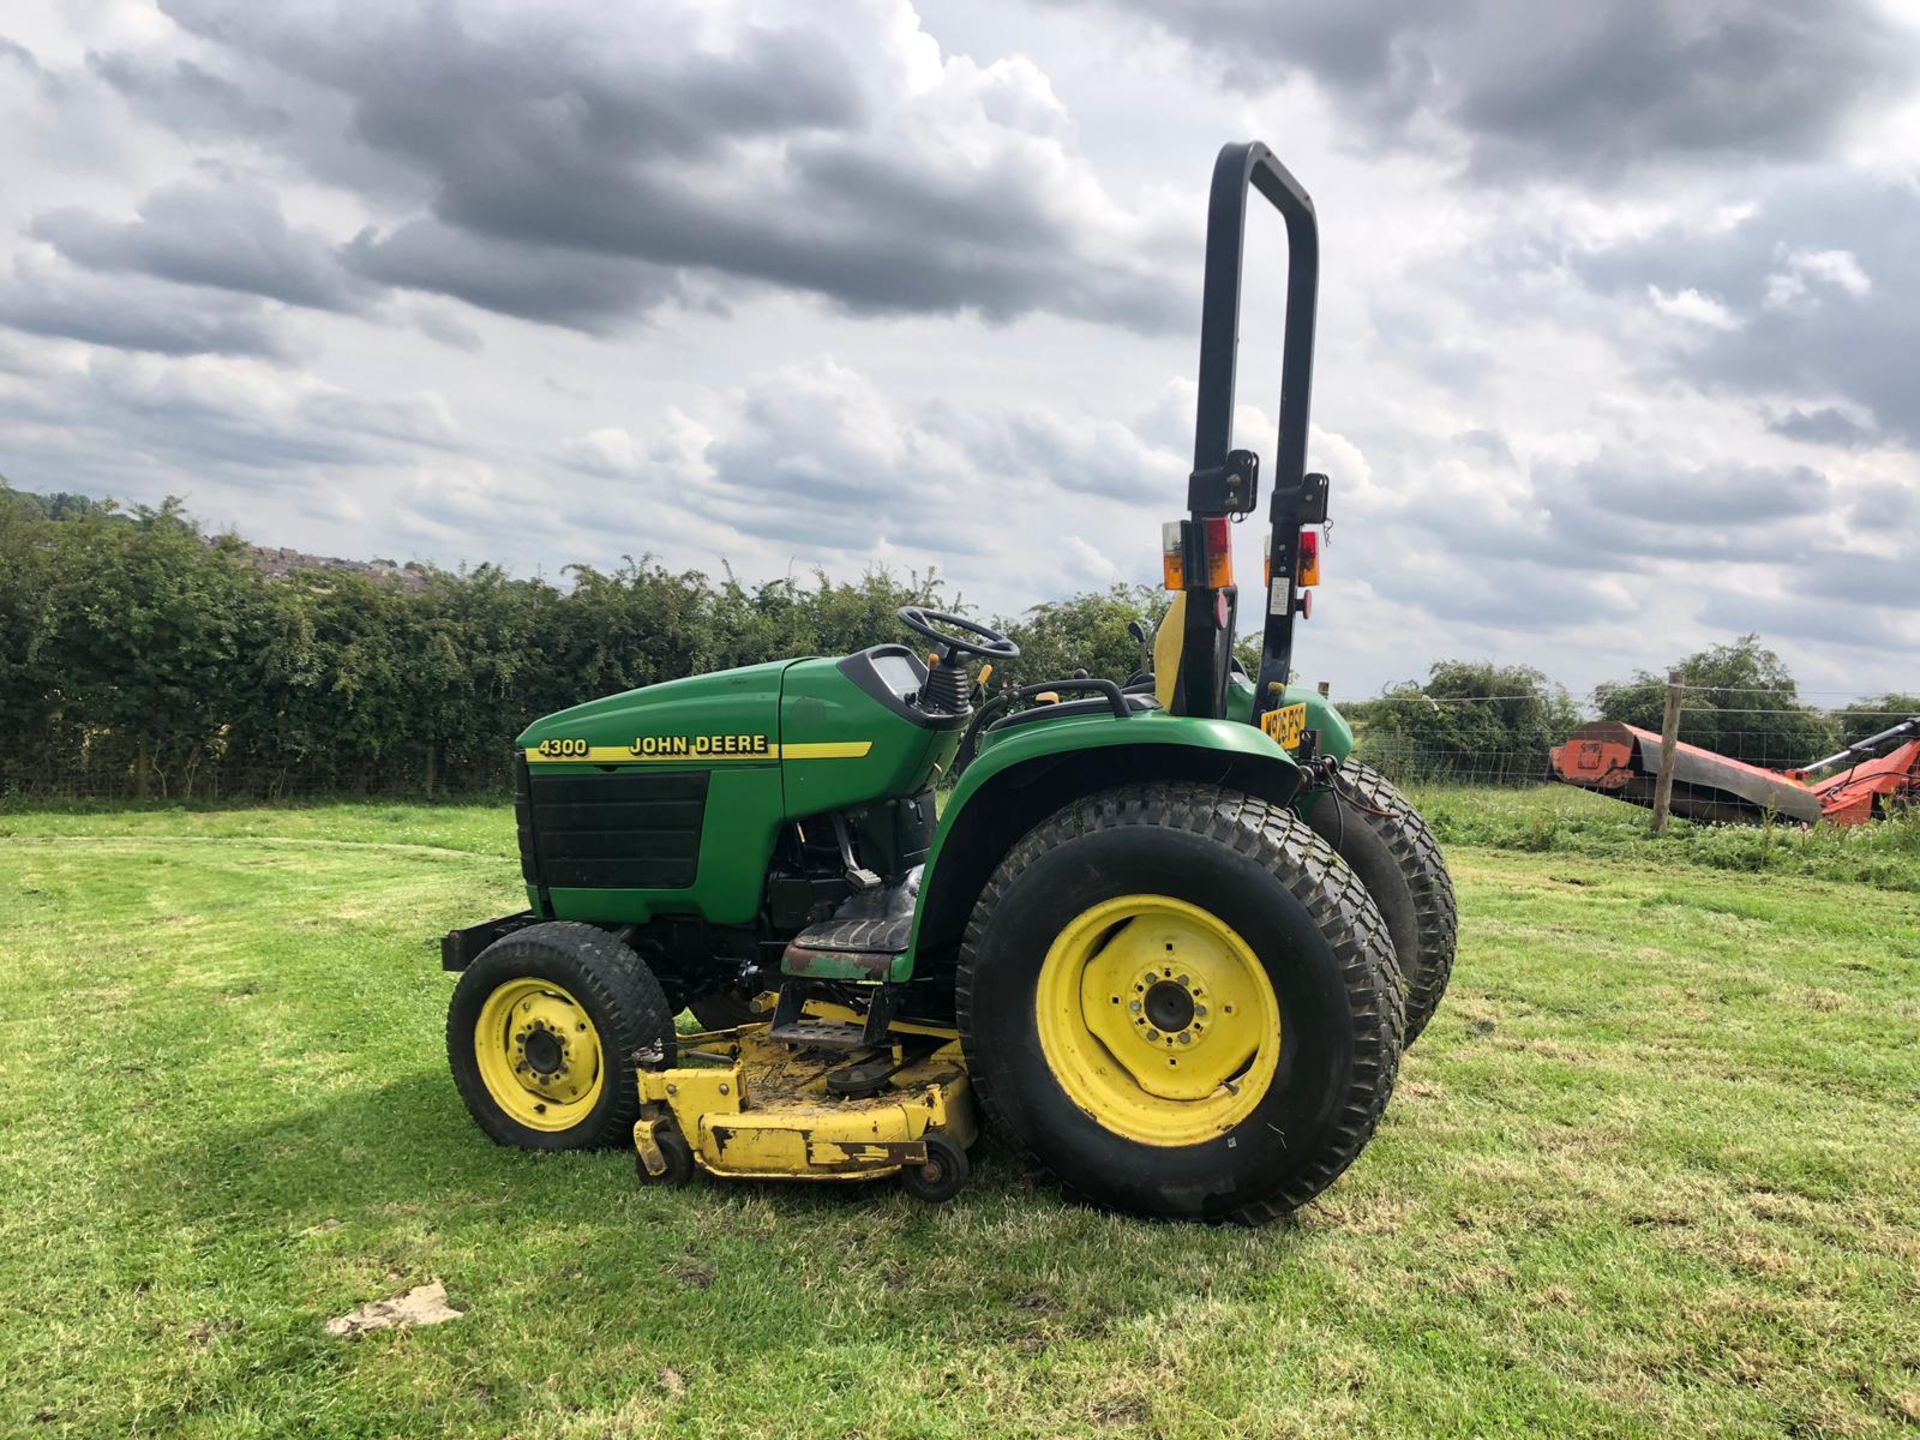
[{"x": 1669, "y": 745}]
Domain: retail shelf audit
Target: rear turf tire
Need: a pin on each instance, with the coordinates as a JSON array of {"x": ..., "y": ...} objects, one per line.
[
  {"x": 1374, "y": 829},
  {"x": 593, "y": 1014},
  {"x": 1271, "y": 916}
]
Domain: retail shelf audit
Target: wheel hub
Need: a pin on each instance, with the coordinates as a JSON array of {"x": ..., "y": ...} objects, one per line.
[
  {"x": 543, "y": 1050},
  {"x": 538, "y": 1054},
  {"x": 1158, "y": 1018},
  {"x": 1169, "y": 1005}
]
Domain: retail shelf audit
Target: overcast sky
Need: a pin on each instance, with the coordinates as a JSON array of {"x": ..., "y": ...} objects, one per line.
[{"x": 1619, "y": 332}]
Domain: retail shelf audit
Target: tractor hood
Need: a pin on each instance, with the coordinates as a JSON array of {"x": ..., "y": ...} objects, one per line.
[{"x": 733, "y": 714}]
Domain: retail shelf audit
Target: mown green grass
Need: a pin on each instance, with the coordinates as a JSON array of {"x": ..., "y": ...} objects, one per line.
[{"x": 1651, "y": 1172}]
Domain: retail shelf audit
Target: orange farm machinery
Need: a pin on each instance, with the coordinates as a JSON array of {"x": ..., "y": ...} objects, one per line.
[{"x": 1866, "y": 781}]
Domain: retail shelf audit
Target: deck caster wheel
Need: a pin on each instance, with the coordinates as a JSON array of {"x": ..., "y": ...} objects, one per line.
[
  {"x": 673, "y": 1149},
  {"x": 943, "y": 1174}
]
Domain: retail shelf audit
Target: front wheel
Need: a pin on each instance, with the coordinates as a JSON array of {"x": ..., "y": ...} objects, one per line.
[
  {"x": 546, "y": 1034},
  {"x": 1182, "y": 1002}
]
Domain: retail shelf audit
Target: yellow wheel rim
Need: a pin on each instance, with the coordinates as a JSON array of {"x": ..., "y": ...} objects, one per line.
[
  {"x": 1158, "y": 1020},
  {"x": 539, "y": 1054}
]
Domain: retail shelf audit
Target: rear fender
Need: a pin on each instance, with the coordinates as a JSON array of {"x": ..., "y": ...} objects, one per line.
[
  {"x": 1333, "y": 736},
  {"x": 1020, "y": 780}
]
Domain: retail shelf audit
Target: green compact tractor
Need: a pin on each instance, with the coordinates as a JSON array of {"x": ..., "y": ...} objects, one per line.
[{"x": 1164, "y": 937}]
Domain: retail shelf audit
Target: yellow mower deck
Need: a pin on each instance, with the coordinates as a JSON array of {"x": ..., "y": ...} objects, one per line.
[{"x": 755, "y": 1108}]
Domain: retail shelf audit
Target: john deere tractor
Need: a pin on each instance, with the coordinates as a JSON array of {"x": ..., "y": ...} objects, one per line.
[{"x": 1163, "y": 936}]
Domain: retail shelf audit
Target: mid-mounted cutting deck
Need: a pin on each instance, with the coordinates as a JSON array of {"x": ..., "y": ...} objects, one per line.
[{"x": 748, "y": 1106}]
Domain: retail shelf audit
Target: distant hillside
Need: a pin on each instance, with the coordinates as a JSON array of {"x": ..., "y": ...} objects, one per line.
[{"x": 277, "y": 562}]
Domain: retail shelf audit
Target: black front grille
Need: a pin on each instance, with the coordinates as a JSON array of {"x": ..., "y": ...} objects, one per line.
[{"x": 621, "y": 830}]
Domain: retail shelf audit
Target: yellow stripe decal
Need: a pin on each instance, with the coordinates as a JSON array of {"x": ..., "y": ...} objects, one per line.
[
  {"x": 623, "y": 755},
  {"x": 827, "y": 750}
]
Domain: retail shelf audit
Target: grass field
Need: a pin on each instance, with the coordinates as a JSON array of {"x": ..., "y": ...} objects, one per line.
[{"x": 1652, "y": 1172}]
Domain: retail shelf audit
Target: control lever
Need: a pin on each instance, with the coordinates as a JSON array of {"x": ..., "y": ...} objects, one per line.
[{"x": 858, "y": 876}]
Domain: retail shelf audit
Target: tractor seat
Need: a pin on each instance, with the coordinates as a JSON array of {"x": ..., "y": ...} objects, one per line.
[{"x": 1061, "y": 709}]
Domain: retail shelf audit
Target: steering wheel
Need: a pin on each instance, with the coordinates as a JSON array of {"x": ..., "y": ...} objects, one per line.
[{"x": 974, "y": 638}]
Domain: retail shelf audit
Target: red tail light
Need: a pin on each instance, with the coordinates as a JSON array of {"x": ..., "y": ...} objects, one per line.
[{"x": 1309, "y": 558}]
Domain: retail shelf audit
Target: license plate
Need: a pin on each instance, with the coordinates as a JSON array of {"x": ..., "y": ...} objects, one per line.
[{"x": 1285, "y": 726}]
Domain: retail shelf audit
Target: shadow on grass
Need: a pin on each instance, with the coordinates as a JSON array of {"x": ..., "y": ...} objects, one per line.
[
  {"x": 399, "y": 1174},
  {"x": 408, "y": 1145}
]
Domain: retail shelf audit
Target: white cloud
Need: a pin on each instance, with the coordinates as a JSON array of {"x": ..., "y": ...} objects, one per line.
[
  {"x": 1793, "y": 286},
  {"x": 1693, "y": 307},
  {"x": 1088, "y": 565}
]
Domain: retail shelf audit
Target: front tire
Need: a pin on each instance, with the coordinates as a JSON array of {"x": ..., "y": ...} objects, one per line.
[
  {"x": 546, "y": 1034},
  {"x": 1256, "y": 960}
]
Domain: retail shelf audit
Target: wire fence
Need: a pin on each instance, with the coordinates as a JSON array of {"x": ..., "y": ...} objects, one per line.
[
  {"x": 1408, "y": 761},
  {"x": 120, "y": 778},
  {"x": 1734, "y": 762}
]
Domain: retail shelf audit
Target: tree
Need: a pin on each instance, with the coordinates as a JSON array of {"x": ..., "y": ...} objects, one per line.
[
  {"x": 1471, "y": 720},
  {"x": 1869, "y": 717},
  {"x": 1741, "y": 702},
  {"x": 1084, "y": 632}
]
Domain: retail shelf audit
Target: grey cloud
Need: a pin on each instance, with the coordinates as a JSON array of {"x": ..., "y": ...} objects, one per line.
[
  {"x": 449, "y": 330},
  {"x": 1880, "y": 506},
  {"x": 1890, "y": 581},
  {"x": 1732, "y": 496},
  {"x": 133, "y": 313},
  {"x": 1793, "y": 618},
  {"x": 1800, "y": 332},
  {"x": 121, "y": 415},
  {"x": 1591, "y": 90},
  {"x": 1042, "y": 449},
  {"x": 187, "y": 98},
  {"x": 1518, "y": 594},
  {"x": 820, "y": 455},
  {"x": 1617, "y": 514},
  {"x": 228, "y": 236},
  {"x": 580, "y": 141},
  {"x": 587, "y": 292},
  {"x": 1823, "y": 426}
]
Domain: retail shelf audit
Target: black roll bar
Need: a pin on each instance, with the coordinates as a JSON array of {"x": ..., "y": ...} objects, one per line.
[
  {"x": 1208, "y": 647},
  {"x": 1240, "y": 168}
]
